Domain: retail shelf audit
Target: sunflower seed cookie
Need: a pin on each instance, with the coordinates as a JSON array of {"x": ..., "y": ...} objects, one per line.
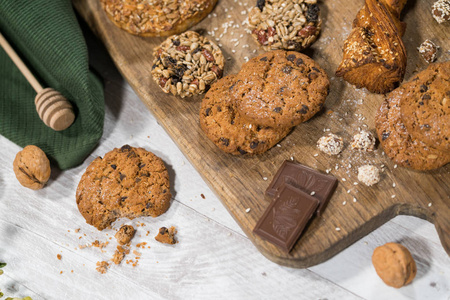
[
  {"x": 280, "y": 89},
  {"x": 156, "y": 17},
  {"x": 187, "y": 64},
  {"x": 127, "y": 182},
  {"x": 227, "y": 129},
  {"x": 397, "y": 142},
  {"x": 425, "y": 106},
  {"x": 289, "y": 24}
]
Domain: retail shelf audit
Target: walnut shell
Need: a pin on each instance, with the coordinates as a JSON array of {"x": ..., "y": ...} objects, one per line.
[{"x": 32, "y": 167}]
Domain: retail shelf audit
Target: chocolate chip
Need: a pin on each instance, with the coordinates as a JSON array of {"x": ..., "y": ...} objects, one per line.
[
  {"x": 423, "y": 88},
  {"x": 315, "y": 69},
  {"x": 382, "y": 60},
  {"x": 207, "y": 111},
  {"x": 254, "y": 144},
  {"x": 260, "y": 4},
  {"x": 263, "y": 58},
  {"x": 291, "y": 57},
  {"x": 312, "y": 14},
  {"x": 164, "y": 191},
  {"x": 131, "y": 154},
  {"x": 121, "y": 176},
  {"x": 426, "y": 126},
  {"x": 241, "y": 151},
  {"x": 219, "y": 109},
  {"x": 421, "y": 102},
  {"x": 426, "y": 97},
  {"x": 125, "y": 148},
  {"x": 137, "y": 179},
  {"x": 299, "y": 62},
  {"x": 141, "y": 165},
  {"x": 114, "y": 167},
  {"x": 225, "y": 142},
  {"x": 277, "y": 109},
  {"x": 286, "y": 69},
  {"x": 148, "y": 205},
  {"x": 312, "y": 75},
  {"x": 163, "y": 230},
  {"x": 282, "y": 89},
  {"x": 123, "y": 198},
  {"x": 385, "y": 135},
  {"x": 176, "y": 42},
  {"x": 303, "y": 110}
]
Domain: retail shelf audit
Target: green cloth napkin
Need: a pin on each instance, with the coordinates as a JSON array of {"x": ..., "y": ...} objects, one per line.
[{"x": 47, "y": 36}]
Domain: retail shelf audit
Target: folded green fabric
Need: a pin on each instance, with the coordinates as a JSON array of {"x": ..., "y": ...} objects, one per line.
[{"x": 47, "y": 36}]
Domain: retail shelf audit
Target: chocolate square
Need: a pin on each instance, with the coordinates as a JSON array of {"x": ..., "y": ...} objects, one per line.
[
  {"x": 306, "y": 179},
  {"x": 287, "y": 215}
]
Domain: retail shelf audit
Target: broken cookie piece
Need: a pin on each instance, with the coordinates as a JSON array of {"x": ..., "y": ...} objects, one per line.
[
  {"x": 125, "y": 234},
  {"x": 166, "y": 236}
]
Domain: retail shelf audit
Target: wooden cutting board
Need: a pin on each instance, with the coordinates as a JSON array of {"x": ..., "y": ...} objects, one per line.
[{"x": 240, "y": 181}]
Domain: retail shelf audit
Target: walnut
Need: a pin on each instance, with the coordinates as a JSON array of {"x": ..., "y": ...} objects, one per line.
[{"x": 32, "y": 167}]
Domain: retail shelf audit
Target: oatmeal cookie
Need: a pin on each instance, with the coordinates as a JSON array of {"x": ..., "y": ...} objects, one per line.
[
  {"x": 394, "y": 264},
  {"x": 288, "y": 24},
  {"x": 227, "y": 129},
  {"x": 280, "y": 89},
  {"x": 425, "y": 106},
  {"x": 398, "y": 144},
  {"x": 125, "y": 234},
  {"x": 166, "y": 236},
  {"x": 156, "y": 17},
  {"x": 187, "y": 64},
  {"x": 127, "y": 182}
]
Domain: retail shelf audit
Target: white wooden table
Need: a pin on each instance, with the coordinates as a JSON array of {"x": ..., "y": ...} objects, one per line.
[{"x": 213, "y": 259}]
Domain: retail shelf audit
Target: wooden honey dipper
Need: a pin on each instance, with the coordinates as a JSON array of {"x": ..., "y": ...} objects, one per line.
[{"x": 53, "y": 109}]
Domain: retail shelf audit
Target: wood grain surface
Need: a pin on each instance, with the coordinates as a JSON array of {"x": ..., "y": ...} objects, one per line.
[{"x": 354, "y": 210}]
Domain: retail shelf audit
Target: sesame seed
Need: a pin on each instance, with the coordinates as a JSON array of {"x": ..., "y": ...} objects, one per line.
[
  {"x": 355, "y": 183},
  {"x": 247, "y": 210},
  {"x": 343, "y": 179},
  {"x": 345, "y": 202},
  {"x": 393, "y": 196},
  {"x": 393, "y": 185},
  {"x": 338, "y": 229},
  {"x": 317, "y": 154},
  {"x": 354, "y": 199},
  {"x": 264, "y": 178},
  {"x": 395, "y": 166},
  {"x": 429, "y": 204},
  {"x": 348, "y": 191},
  {"x": 313, "y": 193}
]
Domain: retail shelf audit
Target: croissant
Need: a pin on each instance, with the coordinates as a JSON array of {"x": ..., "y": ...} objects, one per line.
[{"x": 374, "y": 54}]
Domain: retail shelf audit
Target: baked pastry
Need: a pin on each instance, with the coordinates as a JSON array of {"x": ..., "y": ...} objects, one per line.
[
  {"x": 394, "y": 264},
  {"x": 156, "y": 17},
  {"x": 227, "y": 129},
  {"x": 288, "y": 24},
  {"x": 127, "y": 182},
  {"x": 425, "y": 106},
  {"x": 374, "y": 55},
  {"x": 397, "y": 142},
  {"x": 187, "y": 64},
  {"x": 280, "y": 89},
  {"x": 166, "y": 236}
]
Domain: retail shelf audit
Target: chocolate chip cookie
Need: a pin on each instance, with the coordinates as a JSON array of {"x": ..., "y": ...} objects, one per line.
[
  {"x": 227, "y": 129},
  {"x": 127, "y": 182},
  {"x": 156, "y": 18},
  {"x": 187, "y": 64},
  {"x": 397, "y": 142},
  {"x": 288, "y": 24},
  {"x": 280, "y": 89},
  {"x": 425, "y": 106}
]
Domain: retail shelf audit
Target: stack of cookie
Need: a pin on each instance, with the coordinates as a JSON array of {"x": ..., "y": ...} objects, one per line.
[
  {"x": 413, "y": 123},
  {"x": 253, "y": 110}
]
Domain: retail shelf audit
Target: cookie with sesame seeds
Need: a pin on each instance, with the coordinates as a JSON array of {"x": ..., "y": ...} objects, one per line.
[
  {"x": 158, "y": 17},
  {"x": 127, "y": 182},
  {"x": 227, "y": 129},
  {"x": 425, "y": 106},
  {"x": 397, "y": 142},
  {"x": 187, "y": 64},
  {"x": 289, "y": 24},
  {"x": 280, "y": 89}
]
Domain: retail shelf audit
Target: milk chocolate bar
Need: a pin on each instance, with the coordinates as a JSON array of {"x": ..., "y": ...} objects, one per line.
[
  {"x": 287, "y": 215},
  {"x": 310, "y": 181}
]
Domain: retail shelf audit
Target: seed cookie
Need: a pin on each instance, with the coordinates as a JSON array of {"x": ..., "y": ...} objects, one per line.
[
  {"x": 187, "y": 64},
  {"x": 288, "y": 24},
  {"x": 227, "y": 129},
  {"x": 280, "y": 89},
  {"x": 127, "y": 182},
  {"x": 398, "y": 144},
  {"x": 425, "y": 106},
  {"x": 158, "y": 17}
]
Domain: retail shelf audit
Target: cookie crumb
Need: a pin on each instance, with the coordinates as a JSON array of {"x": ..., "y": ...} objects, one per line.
[
  {"x": 330, "y": 144},
  {"x": 363, "y": 141},
  {"x": 428, "y": 50},
  {"x": 203, "y": 196},
  {"x": 369, "y": 175},
  {"x": 166, "y": 236},
  {"x": 59, "y": 256},
  {"x": 441, "y": 11},
  {"x": 125, "y": 234},
  {"x": 102, "y": 267},
  {"x": 77, "y": 230}
]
